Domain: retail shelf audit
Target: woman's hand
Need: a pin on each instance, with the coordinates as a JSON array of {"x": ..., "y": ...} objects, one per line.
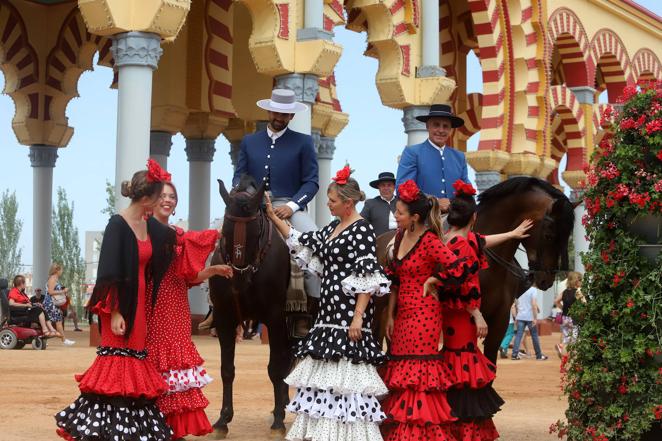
[
  {"x": 355, "y": 328},
  {"x": 520, "y": 231},
  {"x": 269, "y": 209},
  {"x": 390, "y": 325},
  {"x": 223, "y": 271},
  {"x": 481, "y": 324},
  {"x": 117, "y": 323},
  {"x": 430, "y": 288}
]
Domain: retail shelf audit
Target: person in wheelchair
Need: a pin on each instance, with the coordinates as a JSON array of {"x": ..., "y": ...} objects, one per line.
[{"x": 23, "y": 311}]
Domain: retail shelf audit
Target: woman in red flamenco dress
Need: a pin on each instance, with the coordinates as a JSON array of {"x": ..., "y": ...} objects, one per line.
[
  {"x": 472, "y": 399},
  {"x": 415, "y": 375},
  {"x": 118, "y": 392},
  {"x": 169, "y": 345}
]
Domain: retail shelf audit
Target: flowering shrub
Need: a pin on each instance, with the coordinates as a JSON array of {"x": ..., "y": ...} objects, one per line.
[{"x": 613, "y": 373}]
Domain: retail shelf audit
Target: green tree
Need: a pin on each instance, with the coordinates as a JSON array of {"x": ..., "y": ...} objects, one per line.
[
  {"x": 110, "y": 200},
  {"x": 66, "y": 246},
  {"x": 10, "y": 233}
]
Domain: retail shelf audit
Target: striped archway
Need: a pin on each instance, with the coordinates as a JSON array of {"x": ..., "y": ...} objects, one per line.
[
  {"x": 72, "y": 55},
  {"x": 218, "y": 56},
  {"x": 18, "y": 63},
  {"x": 567, "y": 110},
  {"x": 612, "y": 70},
  {"x": 571, "y": 58},
  {"x": 646, "y": 66}
]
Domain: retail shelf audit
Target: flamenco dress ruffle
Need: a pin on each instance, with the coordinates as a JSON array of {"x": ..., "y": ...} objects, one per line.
[
  {"x": 118, "y": 393},
  {"x": 336, "y": 381},
  {"x": 170, "y": 347}
]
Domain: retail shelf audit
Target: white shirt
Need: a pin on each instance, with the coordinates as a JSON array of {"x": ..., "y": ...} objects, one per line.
[
  {"x": 392, "y": 224},
  {"x": 441, "y": 152},
  {"x": 524, "y": 308},
  {"x": 274, "y": 136}
]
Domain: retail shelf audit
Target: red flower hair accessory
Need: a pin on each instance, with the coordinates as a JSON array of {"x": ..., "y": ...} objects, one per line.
[
  {"x": 155, "y": 173},
  {"x": 408, "y": 191},
  {"x": 462, "y": 188},
  {"x": 342, "y": 175}
]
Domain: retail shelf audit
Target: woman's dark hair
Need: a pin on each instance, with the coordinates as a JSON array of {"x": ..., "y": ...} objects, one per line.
[
  {"x": 18, "y": 280},
  {"x": 427, "y": 208},
  {"x": 139, "y": 187},
  {"x": 461, "y": 210}
]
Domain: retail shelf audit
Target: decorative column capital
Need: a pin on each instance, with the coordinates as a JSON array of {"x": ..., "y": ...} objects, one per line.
[
  {"x": 160, "y": 143},
  {"x": 584, "y": 94},
  {"x": 430, "y": 71},
  {"x": 487, "y": 179},
  {"x": 409, "y": 118},
  {"x": 43, "y": 155},
  {"x": 200, "y": 150},
  {"x": 305, "y": 86},
  {"x": 136, "y": 49},
  {"x": 327, "y": 147}
]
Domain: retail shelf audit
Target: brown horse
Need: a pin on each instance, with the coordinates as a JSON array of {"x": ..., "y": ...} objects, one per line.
[
  {"x": 257, "y": 291},
  {"x": 501, "y": 209}
]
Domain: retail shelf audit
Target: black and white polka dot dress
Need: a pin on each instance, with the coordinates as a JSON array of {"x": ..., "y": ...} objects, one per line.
[{"x": 336, "y": 379}]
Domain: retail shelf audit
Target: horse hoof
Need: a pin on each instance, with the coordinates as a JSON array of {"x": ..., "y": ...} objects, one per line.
[
  {"x": 220, "y": 433},
  {"x": 277, "y": 433}
]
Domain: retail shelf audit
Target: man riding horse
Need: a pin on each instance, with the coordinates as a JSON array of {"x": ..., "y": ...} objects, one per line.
[{"x": 286, "y": 162}]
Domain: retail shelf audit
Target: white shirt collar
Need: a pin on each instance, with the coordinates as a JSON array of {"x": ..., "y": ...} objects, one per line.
[
  {"x": 441, "y": 149},
  {"x": 275, "y": 135},
  {"x": 387, "y": 200}
]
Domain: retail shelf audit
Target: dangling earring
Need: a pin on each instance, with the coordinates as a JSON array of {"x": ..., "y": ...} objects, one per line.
[
  {"x": 173, "y": 213},
  {"x": 412, "y": 227}
]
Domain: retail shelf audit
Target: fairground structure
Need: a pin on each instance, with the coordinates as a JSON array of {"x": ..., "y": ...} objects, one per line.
[{"x": 198, "y": 67}]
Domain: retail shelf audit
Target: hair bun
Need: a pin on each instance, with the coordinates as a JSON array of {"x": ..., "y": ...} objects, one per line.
[
  {"x": 362, "y": 197},
  {"x": 126, "y": 189}
]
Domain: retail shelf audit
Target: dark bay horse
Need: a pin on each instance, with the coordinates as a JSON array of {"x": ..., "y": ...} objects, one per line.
[
  {"x": 261, "y": 263},
  {"x": 502, "y": 208}
]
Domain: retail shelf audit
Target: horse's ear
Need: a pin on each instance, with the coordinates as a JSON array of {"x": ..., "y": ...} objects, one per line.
[
  {"x": 223, "y": 192},
  {"x": 257, "y": 198}
]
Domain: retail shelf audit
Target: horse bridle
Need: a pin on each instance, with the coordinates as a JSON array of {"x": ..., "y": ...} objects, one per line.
[{"x": 237, "y": 258}]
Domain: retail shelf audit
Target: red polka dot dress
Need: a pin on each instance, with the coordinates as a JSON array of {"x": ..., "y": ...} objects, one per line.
[
  {"x": 169, "y": 344},
  {"x": 119, "y": 389},
  {"x": 417, "y": 408},
  {"x": 472, "y": 399}
]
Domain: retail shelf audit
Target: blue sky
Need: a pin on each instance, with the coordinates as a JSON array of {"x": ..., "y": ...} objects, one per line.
[{"x": 371, "y": 142}]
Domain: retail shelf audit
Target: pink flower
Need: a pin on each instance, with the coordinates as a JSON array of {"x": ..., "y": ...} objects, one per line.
[
  {"x": 628, "y": 92},
  {"x": 654, "y": 126}
]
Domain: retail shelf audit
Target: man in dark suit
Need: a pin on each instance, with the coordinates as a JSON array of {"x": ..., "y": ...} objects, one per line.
[
  {"x": 379, "y": 210},
  {"x": 286, "y": 162}
]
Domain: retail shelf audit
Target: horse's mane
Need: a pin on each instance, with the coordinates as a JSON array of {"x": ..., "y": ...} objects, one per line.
[{"x": 514, "y": 186}]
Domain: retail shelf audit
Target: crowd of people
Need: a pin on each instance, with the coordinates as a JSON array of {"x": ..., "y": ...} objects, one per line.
[{"x": 146, "y": 380}]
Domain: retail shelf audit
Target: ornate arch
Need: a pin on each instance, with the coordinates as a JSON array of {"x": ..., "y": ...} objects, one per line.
[
  {"x": 646, "y": 65},
  {"x": 567, "y": 35},
  {"x": 567, "y": 109},
  {"x": 218, "y": 56},
  {"x": 19, "y": 64},
  {"x": 71, "y": 55},
  {"x": 471, "y": 116},
  {"x": 612, "y": 63}
]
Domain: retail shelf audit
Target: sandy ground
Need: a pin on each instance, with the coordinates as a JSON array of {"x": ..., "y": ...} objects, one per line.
[{"x": 37, "y": 384}]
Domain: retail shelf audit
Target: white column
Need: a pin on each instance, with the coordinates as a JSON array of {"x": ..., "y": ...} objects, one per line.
[
  {"x": 159, "y": 147},
  {"x": 327, "y": 146},
  {"x": 415, "y": 130},
  {"x": 136, "y": 56},
  {"x": 313, "y": 22},
  {"x": 42, "y": 160},
  {"x": 431, "y": 47},
  {"x": 200, "y": 154},
  {"x": 579, "y": 232}
]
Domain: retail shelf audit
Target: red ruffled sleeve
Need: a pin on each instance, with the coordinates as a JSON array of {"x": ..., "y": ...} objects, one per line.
[
  {"x": 467, "y": 293},
  {"x": 108, "y": 303},
  {"x": 194, "y": 247},
  {"x": 454, "y": 269}
]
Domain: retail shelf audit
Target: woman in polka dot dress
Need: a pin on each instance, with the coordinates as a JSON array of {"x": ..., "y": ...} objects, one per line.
[
  {"x": 169, "y": 344},
  {"x": 118, "y": 392},
  {"x": 416, "y": 377},
  {"x": 336, "y": 378},
  {"x": 471, "y": 374}
]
